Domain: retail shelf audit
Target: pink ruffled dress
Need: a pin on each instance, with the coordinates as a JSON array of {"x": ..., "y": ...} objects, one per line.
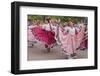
[
  {"x": 68, "y": 40},
  {"x": 80, "y": 35},
  {"x": 84, "y": 43},
  {"x": 30, "y": 36},
  {"x": 29, "y": 33}
]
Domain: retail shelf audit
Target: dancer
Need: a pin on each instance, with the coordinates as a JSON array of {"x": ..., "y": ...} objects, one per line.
[
  {"x": 84, "y": 42},
  {"x": 31, "y": 38},
  {"x": 57, "y": 28},
  {"x": 68, "y": 40},
  {"x": 45, "y": 36},
  {"x": 80, "y": 35}
]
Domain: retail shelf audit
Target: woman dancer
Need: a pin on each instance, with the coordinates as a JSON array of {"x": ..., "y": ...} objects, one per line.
[
  {"x": 31, "y": 39},
  {"x": 80, "y": 35},
  {"x": 45, "y": 36},
  {"x": 68, "y": 40},
  {"x": 84, "y": 42},
  {"x": 58, "y": 28}
]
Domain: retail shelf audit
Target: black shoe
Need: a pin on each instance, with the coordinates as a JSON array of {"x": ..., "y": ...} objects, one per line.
[
  {"x": 48, "y": 50},
  {"x": 74, "y": 54}
]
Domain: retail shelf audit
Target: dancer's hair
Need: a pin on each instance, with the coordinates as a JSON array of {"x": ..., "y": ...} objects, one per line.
[{"x": 71, "y": 21}]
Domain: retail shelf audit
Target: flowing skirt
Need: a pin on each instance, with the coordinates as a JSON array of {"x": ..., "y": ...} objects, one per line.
[
  {"x": 47, "y": 37},
  {"x": 79, "y": 37},
  {"x": 30, "y": 36},
  {"x": 84, "y": 43},
  {"x": 68, "y": 43}
]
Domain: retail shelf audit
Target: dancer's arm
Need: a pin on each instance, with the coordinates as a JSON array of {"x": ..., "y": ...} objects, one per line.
[
  {"x": 50, "y": 26},
  {"x": 66, "y": 30}
]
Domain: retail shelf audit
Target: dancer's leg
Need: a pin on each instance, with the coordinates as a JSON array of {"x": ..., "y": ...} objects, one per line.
[
  {"x": 73, "y": 47},
  {"x": 48, "y": 48}
]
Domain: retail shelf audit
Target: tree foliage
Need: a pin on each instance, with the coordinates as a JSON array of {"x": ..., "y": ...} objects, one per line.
[{"x": 62, "y": 18}]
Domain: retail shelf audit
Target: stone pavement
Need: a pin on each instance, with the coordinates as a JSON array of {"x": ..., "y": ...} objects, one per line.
[{"x": 39, "y": 52}]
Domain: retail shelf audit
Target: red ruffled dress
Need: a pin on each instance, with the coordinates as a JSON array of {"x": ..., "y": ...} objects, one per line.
[{"x": 45, "y": 36}]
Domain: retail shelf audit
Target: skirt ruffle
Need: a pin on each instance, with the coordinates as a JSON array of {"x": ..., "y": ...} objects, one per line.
[{"x": 47, "y": 37}]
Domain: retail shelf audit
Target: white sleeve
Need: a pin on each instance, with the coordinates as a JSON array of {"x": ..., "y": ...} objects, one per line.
[
  {"x": 66, "y": 29},
  {"x": 45, "y": 26},
  {"x": 31, "y": 26}
]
